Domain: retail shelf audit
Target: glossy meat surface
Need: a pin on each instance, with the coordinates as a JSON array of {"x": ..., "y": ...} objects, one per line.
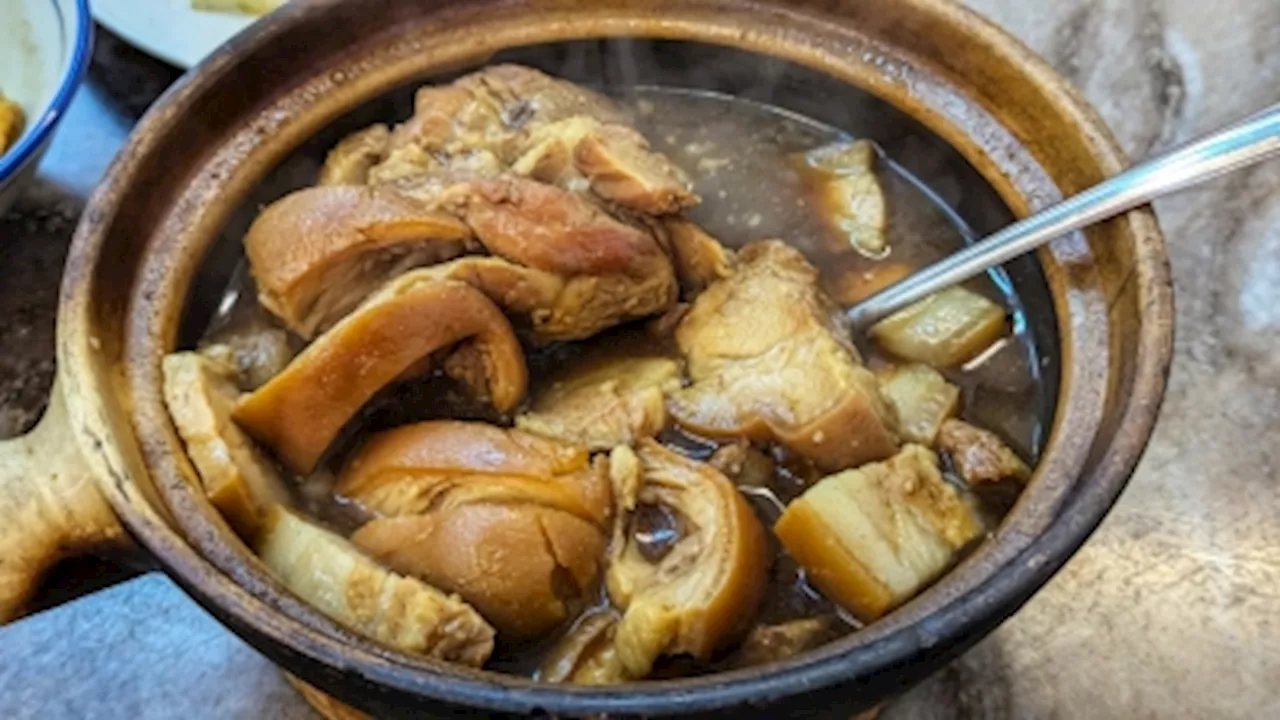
[{"x": 770, "y": 360}]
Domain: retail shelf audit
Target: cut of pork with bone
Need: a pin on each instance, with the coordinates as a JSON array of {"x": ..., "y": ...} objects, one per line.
[
  {"x": 300, "y": 412},
  {"x": 688, "y": 561}
]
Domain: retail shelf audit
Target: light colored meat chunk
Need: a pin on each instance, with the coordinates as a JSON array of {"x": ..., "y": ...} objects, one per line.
[
  {"x": 350, "y": 161},
  {"x": 535, "y": 97},
  {"x": 922, "y": 398},
  {"x": 614, "y": 403},
  {"x": 300, "y": 411},
  {"x": 551, "y": 229},
  {"x": 327, "y": 571},
  {"x": 699, "y": 259},
  {"x": 849, "y": 199},
  {"x": 614, "y": 161},
  {"x": 621, "y": 168},
  {"x": 943, "y": 330},
  {"x": 872, "y": 538},
  {"x": 494, "y": 109},
  {"x": 317, "y": 253},
  {"x": 515, "y": 523},
  {"x": 769, "y": 359},
  {"x": 239, "y": 479},
  {"x": 980, "y": 456},
  {"x": 547, "y": 154},
  {"x": 688, "y": 561}
]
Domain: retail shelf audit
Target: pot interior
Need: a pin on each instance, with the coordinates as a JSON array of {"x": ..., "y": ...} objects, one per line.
[
  {"x": 924, "y": 176},
  {"x": 181, "y": 248}
]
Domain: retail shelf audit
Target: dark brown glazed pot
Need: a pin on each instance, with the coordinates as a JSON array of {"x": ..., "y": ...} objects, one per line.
[{"x": 107, "y": 450}]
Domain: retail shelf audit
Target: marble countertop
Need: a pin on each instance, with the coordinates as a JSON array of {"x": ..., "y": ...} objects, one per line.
[{"x": 1171, "y": 609}]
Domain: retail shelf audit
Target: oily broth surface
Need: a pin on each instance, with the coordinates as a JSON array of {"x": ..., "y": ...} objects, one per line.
[{"x": 740, "y": 155}]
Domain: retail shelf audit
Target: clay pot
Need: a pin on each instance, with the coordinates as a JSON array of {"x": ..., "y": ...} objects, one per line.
[{"x": 106, "y": 455}]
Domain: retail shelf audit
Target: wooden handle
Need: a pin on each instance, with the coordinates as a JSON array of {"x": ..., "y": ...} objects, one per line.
[{"x": 50, "y": 506}]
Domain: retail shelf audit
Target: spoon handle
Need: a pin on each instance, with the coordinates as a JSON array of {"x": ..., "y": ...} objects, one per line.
[{"x": 1247, "y": 142}]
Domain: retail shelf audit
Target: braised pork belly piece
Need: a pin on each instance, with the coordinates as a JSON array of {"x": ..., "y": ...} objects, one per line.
[
  {"x": 873, "y": 537},
  {"x": 200, "y": 393},
  {"x": 330, "y": 573}
]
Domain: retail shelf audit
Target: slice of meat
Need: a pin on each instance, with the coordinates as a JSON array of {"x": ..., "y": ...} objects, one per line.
[
  {"x": 562, "y": 308},
  {"x": 980, "y": 456},
  {"x": 699, "y": 259},
  {"x": 514, "y": 523},
  {"x": 349, "y": 162},
  {"x": 547, "y": 154},
  {"x": 621, "y": 167},
  {"x": 614, "y": 403},
  {"x": 316, "y": 253},
  {"x": 943, "y": 330},
  {"x": 688, "y": 561},
  {"x": 848, "y": 196},
  {"x": 300, "y": 412},
  {"x": 922, "y": 398},
  {"x": 551, "y": 229},
  {"x": 327, "y": 571},
  {"x": 535, "y": 97},
  {"x": 770, "y": 359},
  {"x": 493, "y": 108},
  {"x": 871, "y": 538},
  {"x": 614, "y": 161},
  {"x": 586, "y": 655},
  {"x": 449, "y": 118},
  {"x": 239, "y": 479}
]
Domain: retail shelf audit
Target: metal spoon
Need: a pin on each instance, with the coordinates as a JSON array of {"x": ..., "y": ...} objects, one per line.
[{"x": 1249, "y": 141}]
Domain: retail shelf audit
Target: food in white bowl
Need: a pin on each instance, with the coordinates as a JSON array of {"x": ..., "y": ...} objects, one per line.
[{"x": 45, "y": 46}]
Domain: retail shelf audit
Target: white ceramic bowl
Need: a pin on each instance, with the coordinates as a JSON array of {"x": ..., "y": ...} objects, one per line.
[{"x": 45, "y": 47}]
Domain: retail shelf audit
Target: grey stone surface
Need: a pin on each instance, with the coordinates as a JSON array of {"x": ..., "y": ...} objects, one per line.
[
  {"x": 1171, "y": 610},
  {"x": 141, "y": 650}
]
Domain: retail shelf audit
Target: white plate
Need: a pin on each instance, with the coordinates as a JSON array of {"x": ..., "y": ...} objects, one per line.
[{"x": 169, "y": 29}]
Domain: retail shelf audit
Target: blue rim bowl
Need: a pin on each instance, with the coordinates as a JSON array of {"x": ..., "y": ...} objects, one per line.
[{"x": 37, "y": 137}]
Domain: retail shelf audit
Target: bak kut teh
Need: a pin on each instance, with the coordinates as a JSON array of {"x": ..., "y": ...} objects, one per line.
[{"x": 558, "y": 383}]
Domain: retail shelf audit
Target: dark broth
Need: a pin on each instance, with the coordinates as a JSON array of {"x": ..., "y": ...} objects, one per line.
[{"x": 741, "y": 156}]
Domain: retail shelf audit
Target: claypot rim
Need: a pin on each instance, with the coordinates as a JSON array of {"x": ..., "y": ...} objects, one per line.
[{"x": 150, "y": 522}]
